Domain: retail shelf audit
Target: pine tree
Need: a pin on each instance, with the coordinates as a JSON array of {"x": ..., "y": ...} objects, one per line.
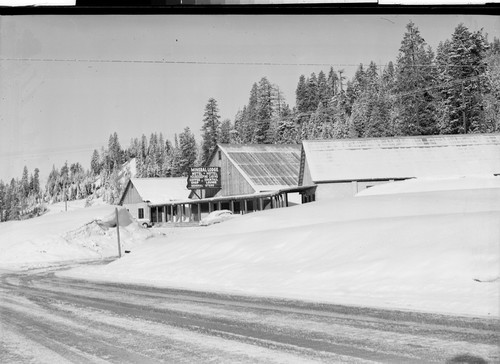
[
  {"x": 25, "y": 185},
  {"x": 210, "y": 129},
  {"x": 188, "y": 151},
  {"x": 14, "y": 200},
  {"x": 492, "y": 98},
  {"x": 2, "y": 201},
  {"x": 301, "y": 95},
  {"x": 251, "y": 115},
  {"x": 176, "y": 158},
  {"x": 264, "y": 112},
  {"x": 168, "y": 160},
  {"x": 225, "y": 131},
  {"x": 462, "y": 74},
  {"x": 95, "y": 163},
  {"x": 240, "y": 130},
  {"x": 36, "y": 182},
  {"x": 323, "y": 94},
  {"x": 414, "y": 82},
  {"x": 333, "y": 84},
  {"x": 312, "y": 93}
]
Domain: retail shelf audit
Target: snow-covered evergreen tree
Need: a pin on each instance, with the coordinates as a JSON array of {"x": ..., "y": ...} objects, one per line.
[
  {"x": 188, "y": 151},
  {"x": 210, "y": 129}
]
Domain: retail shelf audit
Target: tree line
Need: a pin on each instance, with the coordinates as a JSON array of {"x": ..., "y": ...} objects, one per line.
[{"x": 455, "y": 89}]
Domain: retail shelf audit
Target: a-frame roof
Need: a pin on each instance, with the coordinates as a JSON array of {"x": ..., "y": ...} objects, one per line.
[
  {"x": 402, "y": 157},
  {"x": 266, "y": 167}
]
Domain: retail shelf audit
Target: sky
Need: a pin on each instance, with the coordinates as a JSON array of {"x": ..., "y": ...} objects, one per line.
[{"x": 68, "y": 81}]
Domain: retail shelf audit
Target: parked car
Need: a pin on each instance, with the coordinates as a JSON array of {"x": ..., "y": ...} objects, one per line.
[
  {"x": 216, "y": 216},
  {"x": 145, "y": 223}
]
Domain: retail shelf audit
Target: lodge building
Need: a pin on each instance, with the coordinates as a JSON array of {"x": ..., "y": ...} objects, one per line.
[
  {"x": 253, "y": 178},
  {"x": 265, "y": 176}
]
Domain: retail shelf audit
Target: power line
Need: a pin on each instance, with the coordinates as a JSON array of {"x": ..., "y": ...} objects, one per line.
[
  {"x": 164, "y": 61},
  {"x": 47, "y": 151}
]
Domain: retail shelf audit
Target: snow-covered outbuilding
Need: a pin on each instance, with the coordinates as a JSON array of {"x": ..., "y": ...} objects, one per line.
[
  {"x": 343, "y": 167},
  {"x": 142, "y": 196}
]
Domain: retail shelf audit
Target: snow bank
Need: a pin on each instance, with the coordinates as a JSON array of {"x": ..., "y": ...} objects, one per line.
[
  {"x": 78, "y": 234},
  {"x": 428, "y": 251},
  {"x": 434, "y": 184}
]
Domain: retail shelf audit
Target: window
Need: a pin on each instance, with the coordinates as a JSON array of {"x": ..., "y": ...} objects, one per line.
[
  {"x": 220, "y": 155},
  {"x": 141, "y": 213}
]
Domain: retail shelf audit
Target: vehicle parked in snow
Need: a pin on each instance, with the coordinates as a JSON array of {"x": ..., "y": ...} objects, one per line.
[
  {"x": 216, "y": 216},
  {"x": 145, "y": 223}
]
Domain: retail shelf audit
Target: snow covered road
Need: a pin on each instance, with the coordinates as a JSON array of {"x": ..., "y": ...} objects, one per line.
[{"x": 48, "y": 319}]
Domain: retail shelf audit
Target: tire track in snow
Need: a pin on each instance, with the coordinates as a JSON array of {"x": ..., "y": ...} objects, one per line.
[{"x": 244, "y": 329}]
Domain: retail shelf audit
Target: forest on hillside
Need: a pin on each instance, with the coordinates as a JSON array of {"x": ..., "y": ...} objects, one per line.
[{"x": 451, "y": 90}]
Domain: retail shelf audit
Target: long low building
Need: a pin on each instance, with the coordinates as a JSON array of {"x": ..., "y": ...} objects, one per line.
[{"x": 343, "y": 167}]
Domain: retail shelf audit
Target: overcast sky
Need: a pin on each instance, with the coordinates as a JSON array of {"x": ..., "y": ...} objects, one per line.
[{"x": 58, "y": 102}]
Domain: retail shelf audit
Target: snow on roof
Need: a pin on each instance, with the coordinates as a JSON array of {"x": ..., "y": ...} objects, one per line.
[
  {"x": 402, "y": 157},
  {"x": 161, "y": 190},
  {"x": 266, "y": 166}
]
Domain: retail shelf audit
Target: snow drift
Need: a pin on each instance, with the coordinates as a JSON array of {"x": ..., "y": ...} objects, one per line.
[
  {"x": 77, "y": 234},
  {"x": 432, "y": 251}
]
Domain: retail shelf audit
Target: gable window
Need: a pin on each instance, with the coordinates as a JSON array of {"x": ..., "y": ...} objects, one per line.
[
  {"x": 141, "y": 213},
  {"x": 220, "y": 155}
]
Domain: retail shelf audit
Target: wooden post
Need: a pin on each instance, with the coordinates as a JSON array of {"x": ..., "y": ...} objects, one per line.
[
  {"x": 231, "y": 206},
  {"x": 199, "y": 211},
  {"x": 118, "y": 233},
  {"x": 245, "y": 208}
]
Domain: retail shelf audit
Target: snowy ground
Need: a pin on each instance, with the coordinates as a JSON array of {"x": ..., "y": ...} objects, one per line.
[
  {"x": 436, "y": 250},
  {"x": 432, "y": 251},
  {"x": 76, "y": 234}
]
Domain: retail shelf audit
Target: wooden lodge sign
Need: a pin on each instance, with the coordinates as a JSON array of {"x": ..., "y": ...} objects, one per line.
[{"x": 203, "y": 177}]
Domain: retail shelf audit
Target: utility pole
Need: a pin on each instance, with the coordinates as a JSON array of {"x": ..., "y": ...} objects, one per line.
[{"x": 118, "y": 233}]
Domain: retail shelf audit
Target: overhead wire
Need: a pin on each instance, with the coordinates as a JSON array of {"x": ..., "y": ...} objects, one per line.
[{"x": 197, "y": 62}]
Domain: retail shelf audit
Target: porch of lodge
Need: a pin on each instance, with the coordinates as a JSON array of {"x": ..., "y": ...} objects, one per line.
[{"x": 193, "y": 210}]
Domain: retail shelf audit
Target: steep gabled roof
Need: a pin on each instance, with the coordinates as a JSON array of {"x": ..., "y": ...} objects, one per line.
[
  {"x": 266, "y": 167},
  {"x": 402, "y": 157},
  {"x": 160, "y": 190}
]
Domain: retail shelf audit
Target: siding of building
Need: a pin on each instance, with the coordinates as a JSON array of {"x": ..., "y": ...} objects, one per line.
[
  {"x": 133, "y": 208},
  {"x": 131, "y": 195}
]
